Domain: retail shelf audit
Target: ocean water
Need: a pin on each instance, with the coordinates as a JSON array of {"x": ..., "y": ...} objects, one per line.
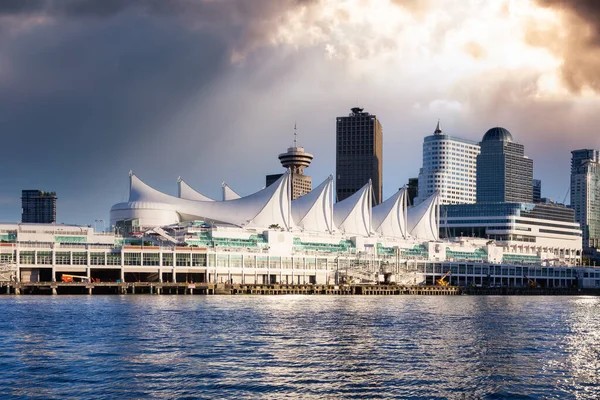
[{"x": 273, "y": 347}]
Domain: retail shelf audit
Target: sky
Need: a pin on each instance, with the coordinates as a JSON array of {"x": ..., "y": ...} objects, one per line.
[{"x": 210, "y": 90}]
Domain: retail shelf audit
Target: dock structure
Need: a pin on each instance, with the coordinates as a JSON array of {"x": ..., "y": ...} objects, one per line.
[
  {"x": 173, "y": 288},
  {"x": 70, "y": 259},
  {"x": 166, "y": 288}
]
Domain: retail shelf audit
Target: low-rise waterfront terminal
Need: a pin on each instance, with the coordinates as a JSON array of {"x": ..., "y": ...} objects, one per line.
[{"x": 266, "y": 243}]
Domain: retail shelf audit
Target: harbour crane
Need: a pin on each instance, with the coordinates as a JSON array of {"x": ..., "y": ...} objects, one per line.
[
  {"x": 442, "y": 281},
  {"x": 530, "y": 282}
]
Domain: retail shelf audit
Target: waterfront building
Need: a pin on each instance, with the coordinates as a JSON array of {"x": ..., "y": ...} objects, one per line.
[
  {"x": 537, "y": 191},
  {"x": 536, "y": 233},
  {"x": 38, "y": 206},
  {"x": 504, "y": 173},
  {"x": 449, "y": 167},
  {"x": 359, "y": 154},
  {"x": 220, "y": 254},
  {"x": 267, "y": 238},
  {"x": 585, "y": 194}
]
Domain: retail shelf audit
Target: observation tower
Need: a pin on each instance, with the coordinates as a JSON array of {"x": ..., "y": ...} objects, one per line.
[{"x": 295, "y": 159}]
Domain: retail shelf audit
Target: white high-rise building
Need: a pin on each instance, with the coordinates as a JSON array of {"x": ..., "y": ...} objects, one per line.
[
  {"x": 449, "y": 167},
  {"x": 585, "y": 194}
]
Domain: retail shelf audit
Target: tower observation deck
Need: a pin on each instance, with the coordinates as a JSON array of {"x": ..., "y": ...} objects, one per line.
[{"x": 295, "y": 159}]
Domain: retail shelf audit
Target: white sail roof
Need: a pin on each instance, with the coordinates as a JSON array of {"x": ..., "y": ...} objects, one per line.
[
  {"x": 314, "y": 211},
  {"x": 185, "y": 191},
  {"x": 353, "y": 215},
  {"x": 422, "y": 219},
  {"x": 228, "y": 193},
  {"x": 389, "y": 217},
  {"x": 260, "y": 210}
]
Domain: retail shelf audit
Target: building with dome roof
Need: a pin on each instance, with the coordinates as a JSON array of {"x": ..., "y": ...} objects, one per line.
[
  {"x": 504, "y": 173},
  {"x": 497, "y": 134}
]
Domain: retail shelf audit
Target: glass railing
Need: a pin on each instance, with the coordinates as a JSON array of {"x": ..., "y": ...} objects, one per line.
[
  {"x": 417, "y": 251},
  {"x": 521, "y": 259},
  {"x": 477, "y": 255}
]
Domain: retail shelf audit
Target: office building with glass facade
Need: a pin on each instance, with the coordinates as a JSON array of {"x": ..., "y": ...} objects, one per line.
[
  {"x": 585, "y": 194},
  {"x": 359, "y": 154},
  {"x": 504, "y": 173},
  {"x": 38, "y": 206},
  {"x": 449, "y": 168},
  {"x": 537, "y": 191},
  {"x": 538, "y": 231}
]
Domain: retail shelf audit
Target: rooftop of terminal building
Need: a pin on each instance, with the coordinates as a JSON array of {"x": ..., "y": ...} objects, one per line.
[{"x": 553, "y": 212}]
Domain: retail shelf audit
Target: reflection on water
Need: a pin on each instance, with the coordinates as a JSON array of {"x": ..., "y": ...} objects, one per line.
[{"x": 299, "y": 346}]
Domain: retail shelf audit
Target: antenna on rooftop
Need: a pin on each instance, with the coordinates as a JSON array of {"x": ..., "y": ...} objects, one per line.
[
  {"x": 438, "y": 129},
  {"x": 295, "y": 135}
]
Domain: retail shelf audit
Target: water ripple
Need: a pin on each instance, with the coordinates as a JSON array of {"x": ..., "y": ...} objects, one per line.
[{"x": 275, "y": 347}]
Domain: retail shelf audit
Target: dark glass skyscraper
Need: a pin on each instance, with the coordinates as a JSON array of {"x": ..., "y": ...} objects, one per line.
[
  {"x": 38, "y": 206},
  {"x": 537, "y": 191},
  {"x": 412, "y": 189},
  {"x": 504, "y": 173},
  {"x": 359, "y": 154}
]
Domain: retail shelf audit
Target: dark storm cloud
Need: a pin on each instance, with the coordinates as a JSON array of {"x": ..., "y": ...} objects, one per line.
[
  {"x": 104, "y": 8},
  {"x": 580, "y": 48},
  {"x": 88, "y": 89},
  {"x": 586, "y": 9},
  {"x": 78, "y": 103}
]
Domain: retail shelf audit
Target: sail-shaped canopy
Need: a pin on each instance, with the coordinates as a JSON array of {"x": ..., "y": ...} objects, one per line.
[
  {"x": 228, "y": 193},
  {"x": 270, "y": 206},
  {"x": 423, "y": 220},
  {"x": 389, "y": 217},
  {"x": 314, "y": 211},
  {"x": 353, "y": 215},
  {"x": 185, "y": 191}
]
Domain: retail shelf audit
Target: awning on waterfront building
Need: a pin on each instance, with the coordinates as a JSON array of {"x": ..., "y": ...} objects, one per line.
[
  {"x": 268, "y": 207},
  {"x": 389, "y": 217},
  {"x": 314, "y": 211},
  {"x": 185, "y": 191},
  {"x": 353, "y": 214},
  {"x": 229, "y": 194},
  {"x": 422, "y": 220}
]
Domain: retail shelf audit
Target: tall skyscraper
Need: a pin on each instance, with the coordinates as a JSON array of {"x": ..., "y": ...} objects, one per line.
[
  {"x": 585, "y": 194},
  {"x": 504, "y": 173},
  {"x": 449, "y": 167},
  {"x": 537, "y": 191},
  {"x": 38, "y": 206},
  {"x": 296, "y": 159},
  {"x": 359, "y": 154}
]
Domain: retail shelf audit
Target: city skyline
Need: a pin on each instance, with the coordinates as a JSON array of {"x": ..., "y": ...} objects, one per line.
[{"x": 183, "y": 94}]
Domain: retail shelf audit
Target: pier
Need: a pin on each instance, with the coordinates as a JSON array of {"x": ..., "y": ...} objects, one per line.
[
  {"x": 172, "y": 288},
  {"x": 166, "y": 288}
]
